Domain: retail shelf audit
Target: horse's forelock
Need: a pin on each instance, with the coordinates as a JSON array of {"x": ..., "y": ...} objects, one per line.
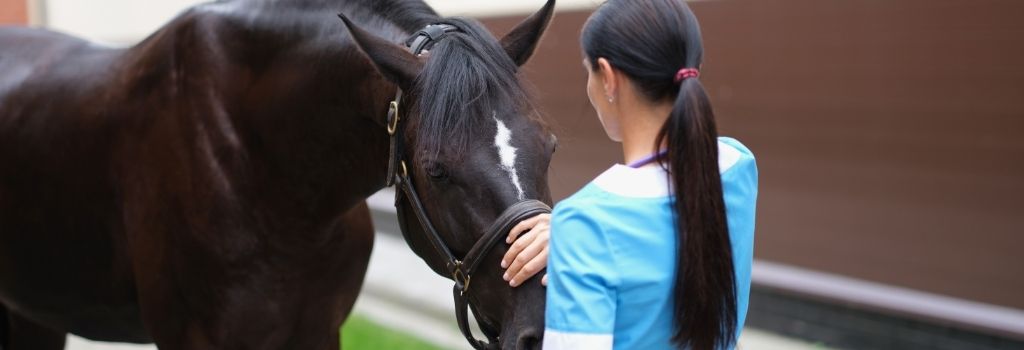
[{"x": 467, "y": 79}]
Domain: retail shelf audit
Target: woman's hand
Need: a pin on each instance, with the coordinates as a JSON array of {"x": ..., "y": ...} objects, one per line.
[{"x": 528, "y": 255}]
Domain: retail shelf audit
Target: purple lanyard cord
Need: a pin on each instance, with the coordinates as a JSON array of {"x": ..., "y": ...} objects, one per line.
[{"x": 648, "y": 160}]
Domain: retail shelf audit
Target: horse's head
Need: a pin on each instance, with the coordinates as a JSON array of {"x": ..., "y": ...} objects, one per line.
[{"x": 472, "y": 146}]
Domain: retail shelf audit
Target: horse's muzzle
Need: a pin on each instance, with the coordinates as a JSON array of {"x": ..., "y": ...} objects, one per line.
[{"x": 529, "y": 339}]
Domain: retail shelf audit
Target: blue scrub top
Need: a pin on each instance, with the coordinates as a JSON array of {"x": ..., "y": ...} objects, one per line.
[{"x": 613, "y": 251}]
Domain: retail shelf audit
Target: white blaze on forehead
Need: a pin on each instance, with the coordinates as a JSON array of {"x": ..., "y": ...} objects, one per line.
[{"x": 507, "y": 154}]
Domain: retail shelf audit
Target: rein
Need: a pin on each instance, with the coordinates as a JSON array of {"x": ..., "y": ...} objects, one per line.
[{"x": 459, "y": 270}]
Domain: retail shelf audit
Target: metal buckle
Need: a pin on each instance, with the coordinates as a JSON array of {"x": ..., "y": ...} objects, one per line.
[
  {"x": 393, "y": 118},
  {"x": 461, "y": 278},
  {"x": 405, "y": 171}
]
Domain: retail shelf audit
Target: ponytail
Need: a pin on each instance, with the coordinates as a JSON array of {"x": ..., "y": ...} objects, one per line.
[{"x": 705, "y": 286}]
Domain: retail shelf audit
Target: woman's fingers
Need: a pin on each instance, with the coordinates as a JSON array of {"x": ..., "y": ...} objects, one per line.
[
  {"x": 516, "y": 249},
  {"x": 528, "y": 253},
  {"x": 532, "y": 267},
  {"x": 531, "y": 259},
  {"x": 521, "y": 227},
  {"x": 524, "y": 257}
]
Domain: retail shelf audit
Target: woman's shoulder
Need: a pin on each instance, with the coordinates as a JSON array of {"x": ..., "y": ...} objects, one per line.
[
  {"x": 579, "y": 206},
  {"x": 595, "y": 213},
  {"x": 586, "y": 213},
  {"x": 613, "y": 193},
  {"x": 735, "y": 145},
  {"x": 733, "y": 154}
]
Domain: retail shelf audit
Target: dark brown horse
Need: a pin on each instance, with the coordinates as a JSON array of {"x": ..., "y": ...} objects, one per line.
[{"x": 205, "y": 188}]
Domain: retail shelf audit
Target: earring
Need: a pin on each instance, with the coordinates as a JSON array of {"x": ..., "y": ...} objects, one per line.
[{"x": 611, "y": 100}]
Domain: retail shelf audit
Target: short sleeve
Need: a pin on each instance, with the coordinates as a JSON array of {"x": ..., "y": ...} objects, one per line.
[
  {"x": 582, "y": 283},
  {"x": 739, "y": 186}
]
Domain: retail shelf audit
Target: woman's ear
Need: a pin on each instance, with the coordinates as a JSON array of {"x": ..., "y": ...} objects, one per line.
[{"x": 609, "y": 79}]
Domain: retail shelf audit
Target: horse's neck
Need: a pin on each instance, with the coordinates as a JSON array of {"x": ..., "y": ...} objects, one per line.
[
  {"x": 287, "y": 123},
  {"x": 409, "y": 15}
]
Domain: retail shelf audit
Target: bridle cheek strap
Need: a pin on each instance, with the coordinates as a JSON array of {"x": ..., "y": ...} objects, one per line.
[
  {"x": 422, "y": 40},
  {"x": 461, "y": 271},
  {"x": 512, "y": 216},
  {"x": 461, "y": 305}
]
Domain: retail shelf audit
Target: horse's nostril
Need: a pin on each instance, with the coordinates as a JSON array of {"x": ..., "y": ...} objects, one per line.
[{"x": 529, "y": 340}]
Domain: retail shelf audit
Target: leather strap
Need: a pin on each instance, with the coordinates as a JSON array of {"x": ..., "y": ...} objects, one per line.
[
  {"x": 512, "y": 216},
  {"x": 461, "y": 307},
  {"x": 422, "y": 40},
  {"x": 408, "y": 191},
  {"x": 509, "y": 218},
  {"x": 461, "y": 271},
  {"x": 425, "y": 38},
  {"x": 395, "y": 138}
]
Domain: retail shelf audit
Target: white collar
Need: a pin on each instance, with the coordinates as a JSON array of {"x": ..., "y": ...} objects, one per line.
[{"x": 652, "y": 181}]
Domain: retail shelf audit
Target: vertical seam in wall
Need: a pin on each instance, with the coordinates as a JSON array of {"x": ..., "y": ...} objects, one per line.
[{"x": 36, "y": 13}]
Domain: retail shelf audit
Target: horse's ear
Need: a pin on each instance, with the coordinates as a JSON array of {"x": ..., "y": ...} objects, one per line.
[
  {"x": 523, "y": 39},
  {"x": 391, "y": 60}
]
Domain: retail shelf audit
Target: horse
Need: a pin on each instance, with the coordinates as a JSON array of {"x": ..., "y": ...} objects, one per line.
[{"x": 205, "y": 188}]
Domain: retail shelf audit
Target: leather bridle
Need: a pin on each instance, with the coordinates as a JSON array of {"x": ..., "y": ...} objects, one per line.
[{"x": 459, "y": 270}]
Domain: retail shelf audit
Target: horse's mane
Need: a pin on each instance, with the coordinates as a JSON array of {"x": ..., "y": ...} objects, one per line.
[{"x": 466, "y": 79}]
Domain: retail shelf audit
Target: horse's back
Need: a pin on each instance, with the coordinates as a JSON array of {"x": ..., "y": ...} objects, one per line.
[{"x": 25, "y": 50}]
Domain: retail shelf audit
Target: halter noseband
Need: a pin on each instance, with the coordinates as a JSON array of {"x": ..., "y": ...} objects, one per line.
[{"x": 461, "y": 271}]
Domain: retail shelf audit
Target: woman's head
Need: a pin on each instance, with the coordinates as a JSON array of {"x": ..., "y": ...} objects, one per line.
[
  {"x": 647, "y": 40},
  {"x": 654, "y": 47}
]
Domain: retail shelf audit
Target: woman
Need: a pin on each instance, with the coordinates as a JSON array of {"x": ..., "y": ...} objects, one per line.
[{"x": 656, "y": 254}]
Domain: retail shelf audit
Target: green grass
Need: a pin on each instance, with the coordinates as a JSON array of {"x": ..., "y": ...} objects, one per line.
[{"x": 358, "y": 333}]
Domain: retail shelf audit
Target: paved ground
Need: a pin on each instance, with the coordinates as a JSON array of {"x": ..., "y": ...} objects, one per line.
[{"x": 402, "y": 292}]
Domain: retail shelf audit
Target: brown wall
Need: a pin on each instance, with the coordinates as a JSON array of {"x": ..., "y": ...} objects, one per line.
[
  {"x": 889, "y": 134},
  {"x": 13, "y": 12}
]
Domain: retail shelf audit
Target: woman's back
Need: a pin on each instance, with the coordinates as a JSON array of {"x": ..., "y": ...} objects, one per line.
[{"x": 614, "y": 251}]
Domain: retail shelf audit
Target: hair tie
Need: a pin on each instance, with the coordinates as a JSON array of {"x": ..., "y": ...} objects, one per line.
[{"x": 686, "y": 73}]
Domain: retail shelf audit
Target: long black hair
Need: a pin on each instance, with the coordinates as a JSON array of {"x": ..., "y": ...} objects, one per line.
[{"x": 650, "y": 41}]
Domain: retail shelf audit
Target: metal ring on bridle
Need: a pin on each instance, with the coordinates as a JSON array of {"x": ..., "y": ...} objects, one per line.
[
  {"x": 461, "y": 278},
  {"x": 393, "y": 122}
]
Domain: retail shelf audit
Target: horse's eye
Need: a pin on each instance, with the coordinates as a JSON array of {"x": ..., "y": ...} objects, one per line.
[{"x": 437, "y": 171}]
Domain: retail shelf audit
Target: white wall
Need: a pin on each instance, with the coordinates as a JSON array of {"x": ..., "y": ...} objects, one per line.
[
  {"x": 122, "y": 22},
  {"x": 112, "y": 21}
]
